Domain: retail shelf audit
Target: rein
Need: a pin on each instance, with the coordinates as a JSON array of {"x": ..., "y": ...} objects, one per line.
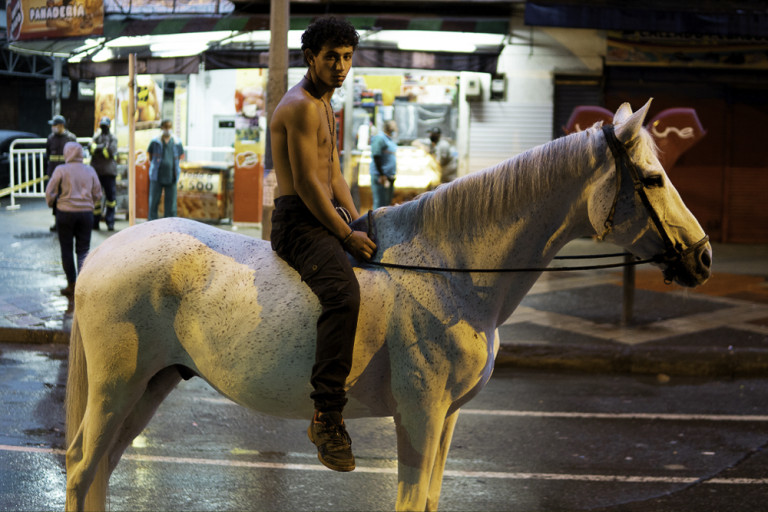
[
  {"x": 520, "y": 269},
  {"x": 672, "y": 256},
  {"x": 372, "y": 235}
]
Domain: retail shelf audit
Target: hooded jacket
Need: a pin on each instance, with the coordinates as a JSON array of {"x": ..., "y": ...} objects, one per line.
[{"x": 74, "y": 186}]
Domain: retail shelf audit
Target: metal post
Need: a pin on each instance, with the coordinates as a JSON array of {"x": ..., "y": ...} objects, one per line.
[
  {"x": 57, "y": 76},
  {"x": 131, "y": 139},
  {"x": 628, "y": 291}
]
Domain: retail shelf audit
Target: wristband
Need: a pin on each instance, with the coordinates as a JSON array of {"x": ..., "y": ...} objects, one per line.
[{"x": 346, "y": 238}]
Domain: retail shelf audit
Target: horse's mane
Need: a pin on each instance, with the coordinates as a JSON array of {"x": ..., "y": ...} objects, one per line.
[{"x": 485, "y": 196}]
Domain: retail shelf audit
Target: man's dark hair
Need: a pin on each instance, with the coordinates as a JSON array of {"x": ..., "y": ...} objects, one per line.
[{"x": 330, "y": 30}]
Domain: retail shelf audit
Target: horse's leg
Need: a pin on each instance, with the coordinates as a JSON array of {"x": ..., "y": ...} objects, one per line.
[
  {"x": 157, "y": 390},
  {"x": 436, "y": 481},
  {"x": 106, "y": 409},
  {"x": 418, "y": 437}
]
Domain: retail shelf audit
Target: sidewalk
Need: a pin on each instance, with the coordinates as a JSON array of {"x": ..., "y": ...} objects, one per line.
[{"x": 568, "y": 321}]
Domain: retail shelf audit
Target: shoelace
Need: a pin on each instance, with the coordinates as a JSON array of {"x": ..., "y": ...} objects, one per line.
[{"x": 338, "y": 435}]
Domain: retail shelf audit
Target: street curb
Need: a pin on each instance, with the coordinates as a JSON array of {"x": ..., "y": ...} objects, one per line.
[
  {"x": 34, "y": 336},
  {"x": 670, "y": 360}
]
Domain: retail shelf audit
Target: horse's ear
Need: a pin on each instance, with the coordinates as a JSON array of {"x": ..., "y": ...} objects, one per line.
[
  {"x": 622, "y": 114},
  {"x": 629, "y": 124}
]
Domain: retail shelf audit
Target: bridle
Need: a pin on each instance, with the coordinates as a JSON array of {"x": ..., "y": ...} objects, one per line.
[{"x": 672, "y": 256}]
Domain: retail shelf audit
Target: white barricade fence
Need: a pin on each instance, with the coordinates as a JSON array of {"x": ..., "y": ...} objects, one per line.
[
  {"x": 28, "y": 169},
  {"x": 28, "y": 175}
]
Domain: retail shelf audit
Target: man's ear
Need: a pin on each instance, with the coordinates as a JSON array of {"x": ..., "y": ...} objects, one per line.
[{"x": 309, "y": 56}]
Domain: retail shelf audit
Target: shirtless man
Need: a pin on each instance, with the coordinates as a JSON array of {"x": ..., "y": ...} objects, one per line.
[{"x": 310, "y": 224}]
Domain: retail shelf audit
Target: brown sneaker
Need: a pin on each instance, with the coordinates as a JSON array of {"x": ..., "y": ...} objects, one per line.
[{"x": 334, "y": 447}]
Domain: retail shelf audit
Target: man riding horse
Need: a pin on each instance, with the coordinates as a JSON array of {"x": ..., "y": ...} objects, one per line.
[{"x": 310, "y": 224}]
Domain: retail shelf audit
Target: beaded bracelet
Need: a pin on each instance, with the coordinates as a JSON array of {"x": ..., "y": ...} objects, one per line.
[{"x": 346, "y": 238}]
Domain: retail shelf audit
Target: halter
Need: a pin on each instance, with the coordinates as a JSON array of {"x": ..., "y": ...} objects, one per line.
[{"x": 674, "y": 253}]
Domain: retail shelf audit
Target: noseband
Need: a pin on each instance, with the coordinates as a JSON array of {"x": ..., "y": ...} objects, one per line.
[{"x": 673, "y": 254}]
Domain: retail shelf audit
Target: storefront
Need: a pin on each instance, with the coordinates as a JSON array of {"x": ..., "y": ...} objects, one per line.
[{"x": 219, "y": 117}]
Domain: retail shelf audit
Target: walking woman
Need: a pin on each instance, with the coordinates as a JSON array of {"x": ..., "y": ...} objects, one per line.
[{"x": 74, "y": 187}]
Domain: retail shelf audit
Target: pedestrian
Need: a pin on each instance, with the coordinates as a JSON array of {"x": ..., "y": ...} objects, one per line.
[
  {"x": 74, "y": 188},
  {"x": 443, "y": 153},
  {"x": 383, "y": 165},
  {"x": 54, "y": 149},
  {"x": 103, "y": 152},
  {"x": 164, "y": 152},
  {"x": 310, "y": 224}
]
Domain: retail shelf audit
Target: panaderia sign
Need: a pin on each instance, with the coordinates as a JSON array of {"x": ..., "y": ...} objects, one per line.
[{"x": 49, "y": 19}]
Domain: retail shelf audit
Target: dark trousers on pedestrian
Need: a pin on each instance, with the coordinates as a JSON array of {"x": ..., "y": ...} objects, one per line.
[
  {"x": 156, "y": 189},
  {"x": 382, "y": 194},
  {"x": 109, "y": 186},
  {"x": 74, "y": 237},
  {"x": 319, "y": 257}
]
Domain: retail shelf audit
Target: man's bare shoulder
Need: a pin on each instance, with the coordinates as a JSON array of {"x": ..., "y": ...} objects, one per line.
[{"x": 295, "y": 101}]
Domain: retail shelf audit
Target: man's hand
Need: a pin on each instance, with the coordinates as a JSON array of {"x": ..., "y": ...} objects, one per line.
[
  {"x": 383, "y": 180},
  {"x": 359, "y": 245}
]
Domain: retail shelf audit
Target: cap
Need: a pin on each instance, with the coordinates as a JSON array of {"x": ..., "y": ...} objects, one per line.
[
  {"x": 434, "y": 130},
  {"x": 57, "y": 120},
  {"x": 105, "y": 121}
]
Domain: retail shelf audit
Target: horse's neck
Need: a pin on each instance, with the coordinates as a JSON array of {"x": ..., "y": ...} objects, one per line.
[
  {"x": 517, "y": 214},
  {"x": 521, "y": 211}
]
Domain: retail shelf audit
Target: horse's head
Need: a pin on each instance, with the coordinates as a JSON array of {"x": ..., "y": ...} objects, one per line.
[{"x": 638, "y": 208}]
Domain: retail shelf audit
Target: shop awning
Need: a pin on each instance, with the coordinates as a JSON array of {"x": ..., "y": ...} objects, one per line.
[
  {"x": 746, "y": 18},
  {"x": 485, "y": 62}
]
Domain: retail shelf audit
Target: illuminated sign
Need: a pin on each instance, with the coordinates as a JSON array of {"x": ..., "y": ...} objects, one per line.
[{"x": 51, "y": 19}]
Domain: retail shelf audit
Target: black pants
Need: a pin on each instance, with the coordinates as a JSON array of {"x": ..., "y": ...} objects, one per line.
[
  {"x": 109, "y": 186},
  {"x": 77, "y": 226},
  {"x": 305, "y": 244}
]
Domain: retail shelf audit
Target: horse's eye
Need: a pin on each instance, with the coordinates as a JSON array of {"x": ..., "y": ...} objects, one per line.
[{"x": 654, "y": 181}]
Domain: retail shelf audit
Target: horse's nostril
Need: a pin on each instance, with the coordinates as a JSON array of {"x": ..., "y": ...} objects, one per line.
[{"x": 705, "y": 258}]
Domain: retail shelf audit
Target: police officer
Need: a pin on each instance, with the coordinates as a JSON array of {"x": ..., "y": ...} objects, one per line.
[
  {"x": 103, "y": 151},
  {"x": 54, "y": 149}
]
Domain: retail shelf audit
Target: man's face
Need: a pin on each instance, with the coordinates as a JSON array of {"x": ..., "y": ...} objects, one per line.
[
  {"x": 57, "y": 128},
  {"x": 332, "y": 64}
]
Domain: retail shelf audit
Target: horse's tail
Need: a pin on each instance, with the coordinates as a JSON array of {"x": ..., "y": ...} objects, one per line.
[{"x": 77, "y": 398}]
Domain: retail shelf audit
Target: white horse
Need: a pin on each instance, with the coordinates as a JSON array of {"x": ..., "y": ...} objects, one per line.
[{"x": 173, "y": 298}]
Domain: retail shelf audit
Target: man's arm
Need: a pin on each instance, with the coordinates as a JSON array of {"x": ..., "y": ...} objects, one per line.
[
  {"x": 112, "y": 148},
  {"x": 52, "y": 189}
]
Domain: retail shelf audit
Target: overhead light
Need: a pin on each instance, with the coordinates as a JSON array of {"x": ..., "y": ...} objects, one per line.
[
  {"x": 102, "y": 55},
  {"x": 178, "y": 50},
  {"x": 435, "y": 42}
]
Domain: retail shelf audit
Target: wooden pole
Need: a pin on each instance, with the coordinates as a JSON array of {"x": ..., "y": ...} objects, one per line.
[
  {"x": 131, "y": 139},
  {"x": 277, "y": 84}
]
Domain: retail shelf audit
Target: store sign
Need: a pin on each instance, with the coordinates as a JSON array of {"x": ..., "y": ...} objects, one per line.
[
  {"x": 674, "y": 130},
  {"x": 50, "y": 19}
]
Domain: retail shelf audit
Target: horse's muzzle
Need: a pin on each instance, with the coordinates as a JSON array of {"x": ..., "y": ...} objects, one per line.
[{"x": 690, "y": 267}]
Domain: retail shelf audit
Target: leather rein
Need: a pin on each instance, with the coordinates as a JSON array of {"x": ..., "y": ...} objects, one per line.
[{"x": 672, "y": 255}]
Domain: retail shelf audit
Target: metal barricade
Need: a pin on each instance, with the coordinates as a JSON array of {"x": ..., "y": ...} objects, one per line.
[{"x": 28, "y": 168}]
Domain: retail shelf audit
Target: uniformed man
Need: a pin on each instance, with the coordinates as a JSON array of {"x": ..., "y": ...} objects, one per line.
[
  {"x": 54, "y": 149},
  {"x": 103, "y": 151}
]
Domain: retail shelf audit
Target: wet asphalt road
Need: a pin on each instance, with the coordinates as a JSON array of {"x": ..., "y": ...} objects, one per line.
[{"x": 531, "y": 441}]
